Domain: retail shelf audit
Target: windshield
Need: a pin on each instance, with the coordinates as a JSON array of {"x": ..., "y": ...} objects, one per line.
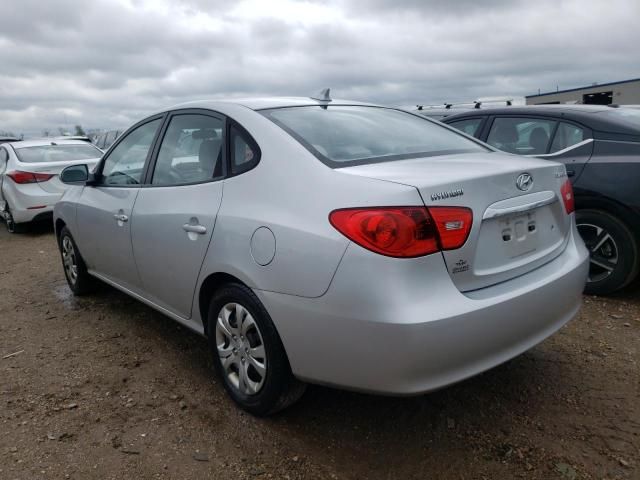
[
  {"x": 630, "y": 116},
  {"x": 352, "y": 135},
  {"x": 56, "y": 153}
]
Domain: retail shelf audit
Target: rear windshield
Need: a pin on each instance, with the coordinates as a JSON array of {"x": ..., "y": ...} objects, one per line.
[
  {"x": 631, "y": 116},
  {"x": 353, "y": 135},
  {"x": 57, "y": 153}
]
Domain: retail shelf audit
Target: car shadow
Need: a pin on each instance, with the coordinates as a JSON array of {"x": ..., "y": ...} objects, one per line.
[
  {"x": 36, "y": 229},
  {"x": 516, "y": 387}
]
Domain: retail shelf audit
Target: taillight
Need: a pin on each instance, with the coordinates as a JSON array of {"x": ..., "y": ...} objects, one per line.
[
  {"x": 21, "y": 177},
  {"x": 404, "y": 232},
  {"x": 567, "y": 197},
  {"x": 454, "y": 225}
]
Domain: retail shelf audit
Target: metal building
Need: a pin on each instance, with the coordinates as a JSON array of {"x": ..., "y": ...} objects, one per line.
[{"x": 625, "y": 92}]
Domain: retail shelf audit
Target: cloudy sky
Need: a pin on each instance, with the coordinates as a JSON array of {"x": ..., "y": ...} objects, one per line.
[{"x": 108, "y": 63}]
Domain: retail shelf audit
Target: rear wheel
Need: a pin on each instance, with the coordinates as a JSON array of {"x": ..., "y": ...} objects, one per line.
[
  {"x": 75, "y": 270},
  {"x": 613, "y": 251},
  {"x": 248, "y": 353},
  {"x": 12, "y": 226}
]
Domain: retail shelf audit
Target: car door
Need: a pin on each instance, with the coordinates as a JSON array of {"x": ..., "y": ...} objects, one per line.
[
  {"x": 175, "y": 213},
  {"x": 104, "y": 210},
  {"x": 543, "y": 137},
  {"x": 572, "y": 145}
]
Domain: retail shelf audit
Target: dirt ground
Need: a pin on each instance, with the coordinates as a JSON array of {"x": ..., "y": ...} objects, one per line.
[{"x": 104, "y": 387}]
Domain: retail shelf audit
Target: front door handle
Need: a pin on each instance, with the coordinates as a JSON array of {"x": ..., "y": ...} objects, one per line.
[
  {"x": 121, "y": 217},
  {"x": 571, "y": 173},
  {"x": 199, "y": 229}
]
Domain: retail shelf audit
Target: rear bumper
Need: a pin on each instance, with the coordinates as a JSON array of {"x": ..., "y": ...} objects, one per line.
[
  {"x": 29, "y": 202},
  {"x": 401, "y": 327}
]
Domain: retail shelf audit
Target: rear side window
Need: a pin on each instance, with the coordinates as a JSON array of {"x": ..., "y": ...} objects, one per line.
[
  {"x": 566, "y": 136},
  {"x": 524, "y": 136},
  {"x": 469, "y": 126},
  {"x": 344, "y": 135},
  {"x": 244, "y": 151},
  {"x": 57, "y": 153},
  {"x": 191, "y": 151}
]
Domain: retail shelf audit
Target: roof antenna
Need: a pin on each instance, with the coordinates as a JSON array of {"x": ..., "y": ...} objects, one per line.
[{"x": 322, "y": 95}]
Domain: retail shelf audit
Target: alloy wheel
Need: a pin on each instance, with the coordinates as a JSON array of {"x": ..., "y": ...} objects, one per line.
[
  {"x": 603, "y": 251},
  {"x": 241, "y": 349},
  {"x": 69, "y": 260}
]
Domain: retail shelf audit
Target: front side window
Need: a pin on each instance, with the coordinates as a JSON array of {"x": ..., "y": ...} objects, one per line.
[
  {"x": 57, "y": 153},
  {"x": 468, "y": 125},
  {"x": 125, "y": 163},
  {"x": 566, "y": 136},
  {"x": 191, "y": 151},
  {"x": 524, "y": 136},
  {"x": 351, "y": 135}
]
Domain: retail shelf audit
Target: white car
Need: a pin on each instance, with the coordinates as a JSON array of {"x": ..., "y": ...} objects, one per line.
[{"x": 29, "y": 177}]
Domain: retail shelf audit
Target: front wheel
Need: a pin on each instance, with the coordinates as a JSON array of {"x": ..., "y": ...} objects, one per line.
[
  {"x": 613, "y": 251},
  {"x": 75, "y": 270},
  {"x": 248, "y": 353}
]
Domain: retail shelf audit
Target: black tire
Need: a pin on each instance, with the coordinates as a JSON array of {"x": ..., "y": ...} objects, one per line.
[
  {"x": 618, "y": 253},
  {"x": 13, "y": 227},
  {"x": 280, "y": 388},
  {"x": 83, "y": 282}
]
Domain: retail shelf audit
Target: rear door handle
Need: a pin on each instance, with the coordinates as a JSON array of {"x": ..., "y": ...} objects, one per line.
[
  {"x": 121, "y": 217},
  {"x": 199, "y": 229}
]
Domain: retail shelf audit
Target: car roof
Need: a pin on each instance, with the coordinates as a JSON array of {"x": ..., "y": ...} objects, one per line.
[
  {"x": 585, "y": 114},
  {"x": 261, "y": 103},
  {"x": 39, "y": 142}
]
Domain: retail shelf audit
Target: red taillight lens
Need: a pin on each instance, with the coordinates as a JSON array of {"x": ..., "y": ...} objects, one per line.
[
  {"x": 404, "y": 232},
  {"x": 453, "y": 224},
  {"x": 21, "y": 177},
  {"x": 567, "y": 197}
]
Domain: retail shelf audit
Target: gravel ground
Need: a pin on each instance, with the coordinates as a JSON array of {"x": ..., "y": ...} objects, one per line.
[{"x": 104, "y": 387}]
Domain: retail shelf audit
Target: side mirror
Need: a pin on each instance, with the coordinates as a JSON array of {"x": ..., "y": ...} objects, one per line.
[{"x": 75, "y": 174}]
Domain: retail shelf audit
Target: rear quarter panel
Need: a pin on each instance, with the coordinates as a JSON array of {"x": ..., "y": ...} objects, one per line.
[
  {"x": 612, "y": 174},
  {"x": 291, "y": 193}
]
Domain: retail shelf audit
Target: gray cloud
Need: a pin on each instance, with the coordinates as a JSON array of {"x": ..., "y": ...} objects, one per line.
[{"x": 110, "y": 63}]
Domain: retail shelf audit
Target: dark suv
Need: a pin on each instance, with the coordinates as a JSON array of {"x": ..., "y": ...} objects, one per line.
[{"x": 600, "y": 147}]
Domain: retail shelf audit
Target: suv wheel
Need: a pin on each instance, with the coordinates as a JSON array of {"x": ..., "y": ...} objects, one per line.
[
  {"x": 248, "y": 353},
  {"x": 613, "y": 251}
]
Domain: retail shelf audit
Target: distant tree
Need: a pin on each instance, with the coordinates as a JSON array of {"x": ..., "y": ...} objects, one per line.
[
  {"x": 61, "y": 130},
  {"x": 79, "y": 130},
  {"x": 45, "y": 133}
]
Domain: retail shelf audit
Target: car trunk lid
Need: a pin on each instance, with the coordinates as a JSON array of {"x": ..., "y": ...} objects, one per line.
[{"x": 515, "y": 228}]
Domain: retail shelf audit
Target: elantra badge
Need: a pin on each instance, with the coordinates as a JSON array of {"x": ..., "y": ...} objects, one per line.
[{"x": 524, "y": 182}]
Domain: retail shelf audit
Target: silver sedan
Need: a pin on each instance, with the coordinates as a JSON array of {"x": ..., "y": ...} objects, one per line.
[{"x": 324, "y": 241}]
